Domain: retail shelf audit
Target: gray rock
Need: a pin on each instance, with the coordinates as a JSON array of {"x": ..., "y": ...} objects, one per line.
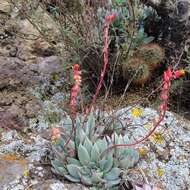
[
  {"x": 9, "y": 171},
  {"x": 58, "y": 185}
]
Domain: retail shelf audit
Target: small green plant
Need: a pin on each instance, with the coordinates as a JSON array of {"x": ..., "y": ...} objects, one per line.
[{"x": 86, "y": 157}]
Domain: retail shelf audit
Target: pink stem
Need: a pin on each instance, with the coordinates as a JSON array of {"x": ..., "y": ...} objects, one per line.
[{"x": 109, "y": 20}]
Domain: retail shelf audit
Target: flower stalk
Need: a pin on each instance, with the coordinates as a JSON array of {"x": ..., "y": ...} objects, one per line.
[
  {"x": 75, "y": 89},
  {"x": 168, "y": 76},
  {"x": 108, "y": 20}
]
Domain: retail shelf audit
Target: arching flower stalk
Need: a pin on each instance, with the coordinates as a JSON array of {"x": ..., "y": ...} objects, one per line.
[{"x": 168, "y": 76}]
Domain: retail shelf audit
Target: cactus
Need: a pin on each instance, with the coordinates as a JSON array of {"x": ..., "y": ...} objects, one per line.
[
  {"x": 86, "y": 160},
  {"x": 152, "y": 54},
  {"x": 143, "y": 62},
  {"x": 137, "y": 70}
]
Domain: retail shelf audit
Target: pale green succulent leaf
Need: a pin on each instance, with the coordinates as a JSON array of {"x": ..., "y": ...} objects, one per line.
[
  {"x": 83, "y": 155},
  {"x": 102, "y": 145},
  {"x": 73, "y": 161},
  {"x": 56, "y": 163},
  {"x": 113, "y": 174},
  {"x": 115, "y": 138},
  {"x": 88, "y": 145},
  {"x": 113, "y": 183},
  {"x": 106, "y": 163},
  {"x": 95, "y": 153},
  {"x": 85, "y": 171},
  {"x": 97, "y": 177},
  {"x": 119, "y": 150},
  {"x": 68, "y": 123},
  {"x": 86, "y": 180},
  {"x": 78, "y": 122},
  {"x": 61, "y": 170},
  {"x": 71, "y": 178},
  {"x": 90, "y": 125},
  {"x": 126, "y": 139},
  {"x": 125, "y": 163},
  {"x": 93, "y": 165},
  {"x": 82, "y": 135},
  {"x": 102, "y": 163},
  {"x": 129, "y": 160},
  {"x": 73, "y": 170}
]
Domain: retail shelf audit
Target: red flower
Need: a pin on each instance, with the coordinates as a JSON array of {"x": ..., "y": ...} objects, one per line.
[
  {"x": 76, "y": 67},
  {"x": 179, "y": 73},
  {"x": 111, "y": 18},
  {"x": 168, "y": 74}
]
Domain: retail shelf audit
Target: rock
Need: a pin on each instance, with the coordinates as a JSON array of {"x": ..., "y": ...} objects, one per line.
[
  {"x": 8, "y": 120},
  {"x": 27, "y": 28},
  {"x": 58, "y": 185},
  {"x": 49, "y": 65},
  {"x": 5, "y": 6},
  {"x": 8, "y": 136},
  {"x": 32, "y": 108},
  {"x": 16, "y": 76},
  {"x": 10, "y": 170},
  {"x": 42, "y": 48}
]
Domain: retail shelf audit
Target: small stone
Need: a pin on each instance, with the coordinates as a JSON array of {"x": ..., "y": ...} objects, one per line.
[
  {"x": 39, "y": 168},
  {"x": 40, "y": 174}
]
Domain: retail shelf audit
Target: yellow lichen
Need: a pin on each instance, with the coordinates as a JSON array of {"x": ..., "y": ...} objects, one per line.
[
  {"x": 158, "y": 138},
  {"x": 26, "y": 172},
  {"x": 143, "y": 151},
  {"x": 137, "y": 112},
  {"x": 160, "y": 171}
]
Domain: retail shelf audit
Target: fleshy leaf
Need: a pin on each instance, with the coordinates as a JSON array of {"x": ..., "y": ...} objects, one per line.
[
  {"x": 90, "y": 125},
  {"x": 83, "y": 155},
  {"x": 126, "y": 139},
  {"x": 85, "y": 171},
  {"x": 71, "y": 178},
  {"x": 113, "y": 183},
  {"x": 56, "y": 163},
  {"x": 86, "y": 180},
  {"x": 125, "y": 163},
  {"x": 102, "y": 144},
  {"x": 119, "y": 150},
  {"x": 81, "y": 135},
  {"x": 73, "y": 170},
  {"x": 113, "y": 174},
  {"x": 97, "y": 177},
  {"x": 73, "y": 161},
  {"x": 68, "y": 123},
  {"x": 95, "y": 153},
  {"x": 88, "y": 145},
  {"x": 61, "y": 170},
  {"x": 107, "y": 164}
]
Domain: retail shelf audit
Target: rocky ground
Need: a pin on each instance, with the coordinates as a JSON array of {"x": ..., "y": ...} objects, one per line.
[
  {"x": 31, "y": 81},
  {"x": 164, "y": 158}
]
